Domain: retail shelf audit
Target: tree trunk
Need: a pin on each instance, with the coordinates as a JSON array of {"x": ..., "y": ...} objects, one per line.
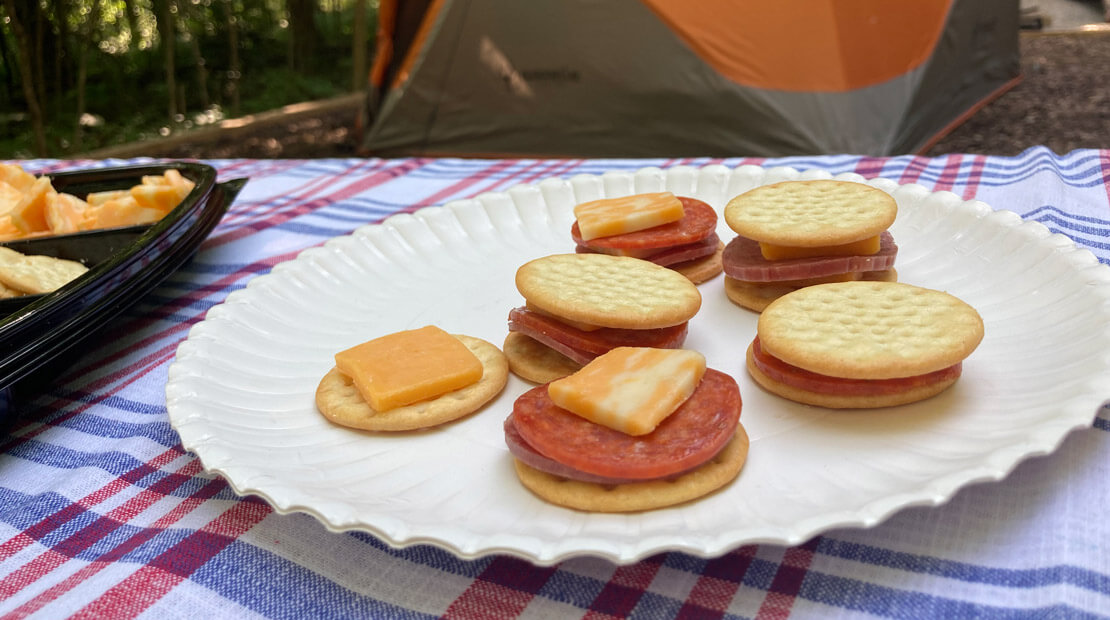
[
  {"x": 132, "y": 13},
  {"x": 358, "y": 51},
  {"x": 88, "y": 43},
  {"x": 302, "y": 22},
  {"x": 30, "y": 91},
  {"x": 234, "y": 69},
  {"x": 164, "y": 15}
]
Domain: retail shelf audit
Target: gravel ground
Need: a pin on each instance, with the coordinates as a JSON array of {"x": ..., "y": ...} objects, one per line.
[{"x": 1063, "y": 102}]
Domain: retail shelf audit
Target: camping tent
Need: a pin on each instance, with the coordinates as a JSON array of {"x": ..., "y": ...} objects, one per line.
[{"x": 632, "y": 78}]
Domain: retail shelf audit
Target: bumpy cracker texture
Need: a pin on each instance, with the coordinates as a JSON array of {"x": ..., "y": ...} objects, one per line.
[
  {"x": 870, "y": 330},
  {"x": 35, "y": 274},
  {"x": 638, "y": 496},
  {"x": 534, "y": 361},
  {"x": 608, "y": 291},
  {"x": 811, "y": 213},
  {"x": 339, "y": 400}
]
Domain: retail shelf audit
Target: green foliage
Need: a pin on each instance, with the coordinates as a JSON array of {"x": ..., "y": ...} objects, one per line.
[{"x": 126, "y": 94}]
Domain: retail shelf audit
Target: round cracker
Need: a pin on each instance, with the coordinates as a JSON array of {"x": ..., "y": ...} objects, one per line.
[
  {"x": 758, "y": 295},
  {"x": 534, "y": 361},
  {"x": 811, "y": 213},
  {"x": 702, "y": 269},
  {"x": 36, "y": 274},
  {"x": 844, "y": 401},
  {"x": 637, "y": 496},
  {"x": 869, "y": 330},
  {"x": 608, "y": 291},
  {"x": 339, "y": 400}
]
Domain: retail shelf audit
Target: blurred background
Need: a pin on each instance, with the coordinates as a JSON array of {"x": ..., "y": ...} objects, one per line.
[{"x": 288, "y": 78}]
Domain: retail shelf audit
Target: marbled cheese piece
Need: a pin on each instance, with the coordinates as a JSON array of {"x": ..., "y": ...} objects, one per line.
[
  {"x": 630, "y": 389},
  {"x": 616, "y": 216}
]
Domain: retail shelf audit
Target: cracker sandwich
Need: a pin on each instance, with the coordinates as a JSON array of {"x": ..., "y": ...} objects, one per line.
[
  {"x": 863, "y": 344},
  {"x": 673, "y": 231},
  {"x": 799, "y": 233},
  {"x": 578, "y": 306},
  {"x": 635, "y": 429}
]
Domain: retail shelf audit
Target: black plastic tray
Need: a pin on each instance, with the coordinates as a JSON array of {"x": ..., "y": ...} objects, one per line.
[{"x": 124, "y": 265}]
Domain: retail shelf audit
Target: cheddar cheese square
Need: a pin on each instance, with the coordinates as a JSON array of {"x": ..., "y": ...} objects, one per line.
[{"x": 409, "y": 366}]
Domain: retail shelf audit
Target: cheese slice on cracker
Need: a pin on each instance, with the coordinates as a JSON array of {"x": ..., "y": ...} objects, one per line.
[
  {"x": 616, "y": 216},
  {"x": 409, "y": 366},
  {"x": 630, "y": 389}
]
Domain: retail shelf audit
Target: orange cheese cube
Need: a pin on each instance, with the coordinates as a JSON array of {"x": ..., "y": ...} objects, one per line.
[
  {"x": 159, "y": 197},
  {"x": 8, "y": 231},
  {"x": 616, "y": 216},
  {"x": 121, "y": 212},
  {"x": 630, "y": 389},
  {"x": 409, "y": 366},
  {"x": 29, "y": 214},
  {"x": 9, "y": 197},
  {"x": 97, "y": 198},
  {"x": 17, "y": 177},
  {"x": 65, "y": 213},
  {"x": 863, "y": 247}
]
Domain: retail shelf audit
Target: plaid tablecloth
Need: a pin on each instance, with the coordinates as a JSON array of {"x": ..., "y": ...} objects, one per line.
[{"x": 103, "y": 514}]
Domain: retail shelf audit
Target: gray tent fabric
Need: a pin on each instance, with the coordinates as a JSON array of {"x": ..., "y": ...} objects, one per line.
[{"x": 592, "y": 78}]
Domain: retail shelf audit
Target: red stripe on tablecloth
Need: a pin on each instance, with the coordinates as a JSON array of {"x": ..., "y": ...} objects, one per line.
[
  {"x": 951, "y": 171},
  {"x": 625, "y": 588},
  {"x": 1104, "y": 159},
  {"x": 974, "y": 176},
  {"x": 717, "y": 585},
  {"x": 141, "y": 589},
  {"x": 54, "y": 521},
  {"x": 787, "y": 582},
  {"x": 313, "y": 185},
  {"x": 555, "y": 169},
  {"x": 461, "y": 185},
  {"x": 502, "y": 590},
  {"x": 149, "y": 318},
  {"x": 99, "y": 528},
  {"x": 914, "y": 168},
  {"x": 186, "y": 506},
  {"x": 870, "y": 167},
  {"x": 304, "y": 207}
]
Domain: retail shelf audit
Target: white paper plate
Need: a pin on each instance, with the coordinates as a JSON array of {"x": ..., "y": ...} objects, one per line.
[{"x": 240, "y": 391}]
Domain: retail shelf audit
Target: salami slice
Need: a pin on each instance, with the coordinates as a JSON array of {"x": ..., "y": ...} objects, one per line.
[
  {"x": 788, "y": 374},
  {"x": 743, "y": 261},
  {"x": 689, "y": 437},
  {"x": 699, "y": 220},
  {"x": 583, "y": 346}
]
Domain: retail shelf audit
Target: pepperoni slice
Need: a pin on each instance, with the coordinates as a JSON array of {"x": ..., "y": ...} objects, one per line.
[
  {"x": 527, "y": 455},
  {"x": 699, "y": 220},
  {"x": 744, "y": 261},
  {"x": 690, "y": 436},
  {"x": 788, "y": 374},
  {"x": 582, "y": 346},
  {"x": 665, "y": 257}
]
